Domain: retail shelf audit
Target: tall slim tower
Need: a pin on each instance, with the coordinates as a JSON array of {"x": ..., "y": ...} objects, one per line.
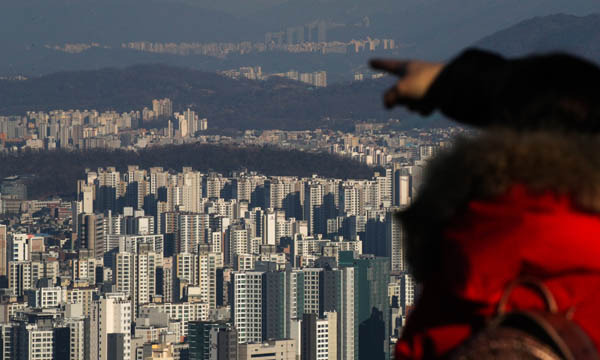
[
  {"x": 268, "y": 228},
  {"x": 247, "y": 309},
  {"x": 313, "y": 199},
  {"x": 3, "y": 251},
  {"x": 208, "y": 265},
  {"x": 394, "y": 241},
  {"x": 91, "y": 233},
  {"x": 183, "y": 126}
]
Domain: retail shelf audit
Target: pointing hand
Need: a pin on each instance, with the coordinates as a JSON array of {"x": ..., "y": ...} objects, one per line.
[{"x": 415, "y": 79}]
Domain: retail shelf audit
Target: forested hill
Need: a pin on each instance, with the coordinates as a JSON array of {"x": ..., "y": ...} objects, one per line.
[
  {"x": 227, "y": 103},
  {"x": 573, "y": 34},
  {"x": 57, "y": 172}
]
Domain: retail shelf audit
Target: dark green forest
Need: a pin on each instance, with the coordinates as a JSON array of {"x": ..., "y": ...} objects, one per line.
[{"x": 56, "y": 172}]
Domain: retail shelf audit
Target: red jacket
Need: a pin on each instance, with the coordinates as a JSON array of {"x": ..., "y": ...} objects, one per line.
[{"x": 494, "y": 242}]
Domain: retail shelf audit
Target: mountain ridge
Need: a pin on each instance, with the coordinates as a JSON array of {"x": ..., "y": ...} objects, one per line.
[
  {"x": 228, "y": 103},
  {"x": 277, "y": 103},
  {"x": 544, "y": 34}
]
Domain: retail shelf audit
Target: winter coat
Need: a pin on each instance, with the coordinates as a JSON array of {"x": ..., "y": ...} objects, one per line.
[{"x": 520, "y": 200}]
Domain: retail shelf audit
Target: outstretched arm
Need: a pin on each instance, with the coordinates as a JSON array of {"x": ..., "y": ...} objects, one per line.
[{"x": 483, "y": 89}]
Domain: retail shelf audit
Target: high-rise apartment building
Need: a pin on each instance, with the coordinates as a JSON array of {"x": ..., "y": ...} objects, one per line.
[
  {"x": 408, "y": 291},
  {"x": 19, "y": 277},
  {"x": 162, "y": 107},
  {"x": 313, "y": 199},
  {"x": 147, "y": 263},
  {"x": 18, "y": 247},
  {"x": 110, "y": 328},
  {"x": 269, "y": 228},
  {"x": 6, "y": 340},
  {"x": 209, "y": 264},
  {"x": 320, "y": 79},
  {"x": 239, "y": 244},
  {"x": 3, "y": 251},
  {"x": 395, "y": 243},
  {"x": 402, "y": 187},
  {"x": 91, "y": 233},
  {"x": 212, "y": 340},
  {"x": 270, "y": 264},
  {"x": 319, "y": 336},
  {"x": 312, "y": 278},
  {"x": 247, "y": 306},
  {"x": 186, "y": 268},
  {"x": 75, "y": 320},
  {"x": 192, "y": 230},
  {"x": 37, "y": 335},
  {"x": 371, "y": 304}
]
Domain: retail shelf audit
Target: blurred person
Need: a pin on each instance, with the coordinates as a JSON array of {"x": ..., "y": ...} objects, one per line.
[{"x": 504, "y": 236}]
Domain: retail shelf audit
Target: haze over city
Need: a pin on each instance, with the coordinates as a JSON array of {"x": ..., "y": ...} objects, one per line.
[{"x": 219, "y": 179}]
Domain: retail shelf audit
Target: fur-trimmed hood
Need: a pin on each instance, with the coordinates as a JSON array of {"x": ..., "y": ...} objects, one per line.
[{"x": 485, "y": 168}]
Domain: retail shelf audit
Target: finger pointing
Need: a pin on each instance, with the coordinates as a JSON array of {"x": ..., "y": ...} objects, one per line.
[{"x": 391, "y": 66}]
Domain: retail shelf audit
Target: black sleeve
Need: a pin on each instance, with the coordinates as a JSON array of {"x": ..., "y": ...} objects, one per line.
[{"x": 550, "y": 91}]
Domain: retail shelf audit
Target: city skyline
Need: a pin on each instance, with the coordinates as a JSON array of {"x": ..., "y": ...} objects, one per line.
[
  {"x": 161, "y": 247},
  {"x": 198, "y": 240},
  {"x": 220, "y": 180}
]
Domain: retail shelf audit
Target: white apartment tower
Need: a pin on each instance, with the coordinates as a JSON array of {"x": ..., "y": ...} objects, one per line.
[
  {"x": 327, "y": 336},
  {"x": 36, "y": 342},
  {"x": 135, "y": 275},
  {"x": 191, "y": 231},
  {"x": 110, "y": 315},
  {"x": 319, "y": 336},
  {"x": 18, "y": 247},
  {"x": 247, "y": 305},
  {"x": 186, "y": 267},
  {"x": 238, "y": 243},
  {"x": 146, "y": 264},
  {"x": 404, "y": 190},
  {"x": 269, "y": 228},
  {"x": 407, "y": 298},
  {"x": 124, "y": 274},
  {"x": 349, "y": 200},
  {"x": 208, "y": 264}
]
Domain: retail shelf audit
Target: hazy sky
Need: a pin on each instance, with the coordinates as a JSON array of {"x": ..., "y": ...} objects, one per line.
[
  {"x": 433, "y": 29},
  {"x": 422, "y": 21}
]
